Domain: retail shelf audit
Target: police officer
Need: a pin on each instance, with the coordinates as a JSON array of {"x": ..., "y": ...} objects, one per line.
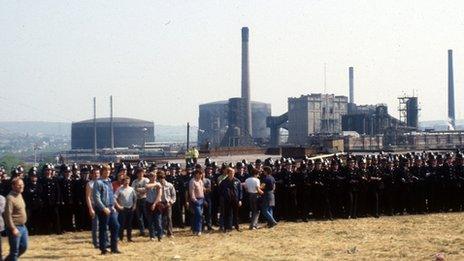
[
  {"x": 184, "y": 179},
  {"x": 404, "y": 200},
  {"x": 353, "y": 180},
  {"x": 51, "y": 198},
  {"x": 34, "y": 203},
  {"x": 4, "y": 183},
  {"x": 431, "y": 184},
  {"x": 299, "y": 179},
  {"x": 363, "y": 175},
  {"x": 418, "y": 174},
  {"x": 375, "y": 187},
  {"x": 284, "y": 202},
  {"x": 327, "y": 183},
  {"x": 81, "y": 209},
  {"x": 67, "y": 207},
  {"x": 388, "y": 180},
  {"x": 459, "y": 187},
  {"x": 448, "y": 181},
  {"x": 208, "y": 199},
  {"x": 173, "y": 178},
  {"x": 308, "y": 187},
  {"x": 338, "y": 189},
  {"x": 241, "y": 173},
  {"x": 215, "y": 200}
]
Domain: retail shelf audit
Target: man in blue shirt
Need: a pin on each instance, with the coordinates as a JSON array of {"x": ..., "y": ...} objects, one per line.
[{"x": 104, "y": 208}]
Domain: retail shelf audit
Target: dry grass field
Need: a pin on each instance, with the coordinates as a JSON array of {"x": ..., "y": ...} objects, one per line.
[{"x": 387, "y": 238}]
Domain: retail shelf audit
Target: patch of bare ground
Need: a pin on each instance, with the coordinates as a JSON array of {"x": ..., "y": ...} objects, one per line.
[{"x": 387, "y": 238}]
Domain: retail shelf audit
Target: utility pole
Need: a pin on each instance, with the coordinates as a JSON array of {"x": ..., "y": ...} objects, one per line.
[
  {"x": 35, "y": 154},
  {"x": 145, "y": 130},
  {"x": 111, "y": 123},
  {"x": 95, "y": 126},
  {"x": 188, "y": 135}
]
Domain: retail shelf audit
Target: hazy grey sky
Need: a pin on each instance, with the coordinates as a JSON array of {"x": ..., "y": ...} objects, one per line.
[{"x": 161, "y": 59}]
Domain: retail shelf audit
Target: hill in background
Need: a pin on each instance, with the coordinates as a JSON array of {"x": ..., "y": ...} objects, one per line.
[
  {"x": 163, "y": 133},
  {"x": 35, "y": 128}
]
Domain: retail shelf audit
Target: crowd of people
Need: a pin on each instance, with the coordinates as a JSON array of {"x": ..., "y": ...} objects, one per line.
[{"x": 155, "y": 198}]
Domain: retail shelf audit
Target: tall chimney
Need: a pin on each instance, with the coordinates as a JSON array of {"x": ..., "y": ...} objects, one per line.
[
  {"x": 351, "y": 76},
  {"x": 111, "y": 123},
  {"x": 94, "y": 126},
  {"x": 246, "y": 80},
  {"x": 451, "y": 114}
]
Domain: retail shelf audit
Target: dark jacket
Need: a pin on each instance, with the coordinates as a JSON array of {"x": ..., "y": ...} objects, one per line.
[
  {"x": 51, "y": 195},
  {"x": 33, "y": 196},
  {"x": 231, "y": 190},
  {"x": 67, "y": 187}
]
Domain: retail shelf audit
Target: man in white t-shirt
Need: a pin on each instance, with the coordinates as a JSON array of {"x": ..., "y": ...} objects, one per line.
[
  {"x": 126, "y": 201},
  {"x": 252, "y": 185}
]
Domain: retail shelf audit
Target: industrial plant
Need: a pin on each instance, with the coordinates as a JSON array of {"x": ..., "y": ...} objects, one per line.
[
  {"x": 315, "y": 122},
  {"x": 325, "y": 122}
]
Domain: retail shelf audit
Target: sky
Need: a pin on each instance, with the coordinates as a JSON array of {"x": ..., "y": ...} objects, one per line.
[{"x": 161, "y": 59}]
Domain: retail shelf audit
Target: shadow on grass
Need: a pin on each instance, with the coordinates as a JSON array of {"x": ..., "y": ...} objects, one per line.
[
  {"x": 42, "y": 257},
  {"x": 35, "y": 257}
]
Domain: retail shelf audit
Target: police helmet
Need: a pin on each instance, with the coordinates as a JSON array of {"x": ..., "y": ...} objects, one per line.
[{"x": 32, "y": 171}]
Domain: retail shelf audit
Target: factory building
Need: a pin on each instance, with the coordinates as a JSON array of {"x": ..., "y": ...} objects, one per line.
[
  {"x": 127, "y": 132},
  {"x": 237, "y": 122},
  {"x": 214, "y": 121},
  {"x": 369, "y": 120},
  {"x": 315, "y": 114}
]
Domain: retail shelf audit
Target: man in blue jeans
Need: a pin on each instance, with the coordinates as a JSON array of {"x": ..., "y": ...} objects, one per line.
[
  {"x": 197, "y": 195},
  {"x": 104, "y": 208},
  {"x": 154, "y": 193},
  {"x": 15, "y": 219},
  {"x": 94, "y": 177},
  {"x": 268, "y": 187}
]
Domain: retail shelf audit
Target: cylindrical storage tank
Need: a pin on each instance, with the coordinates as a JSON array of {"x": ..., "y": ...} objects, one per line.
[
  {"x": 412, "y": 111},
  {"x": 127, "y": 132}
]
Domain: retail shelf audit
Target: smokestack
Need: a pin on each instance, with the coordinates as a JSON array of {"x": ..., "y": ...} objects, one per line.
[
  {"x": 94, "y": 126},
  {"x": 246, "y": 80},
  {"x": 111, "y": 123},
  {"x": 351, "y": 76},
  {"x": 451, "y": 115}
]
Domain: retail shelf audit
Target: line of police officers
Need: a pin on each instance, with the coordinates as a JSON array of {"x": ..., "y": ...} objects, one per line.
[
  {"x": 370, "y": 186},
  {"x": 355, "y": 186}
]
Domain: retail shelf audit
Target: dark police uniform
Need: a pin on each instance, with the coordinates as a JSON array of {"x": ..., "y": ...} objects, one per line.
[
  {"x": 51, "y": 197},
  {"x": 33, "y": 197}
]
